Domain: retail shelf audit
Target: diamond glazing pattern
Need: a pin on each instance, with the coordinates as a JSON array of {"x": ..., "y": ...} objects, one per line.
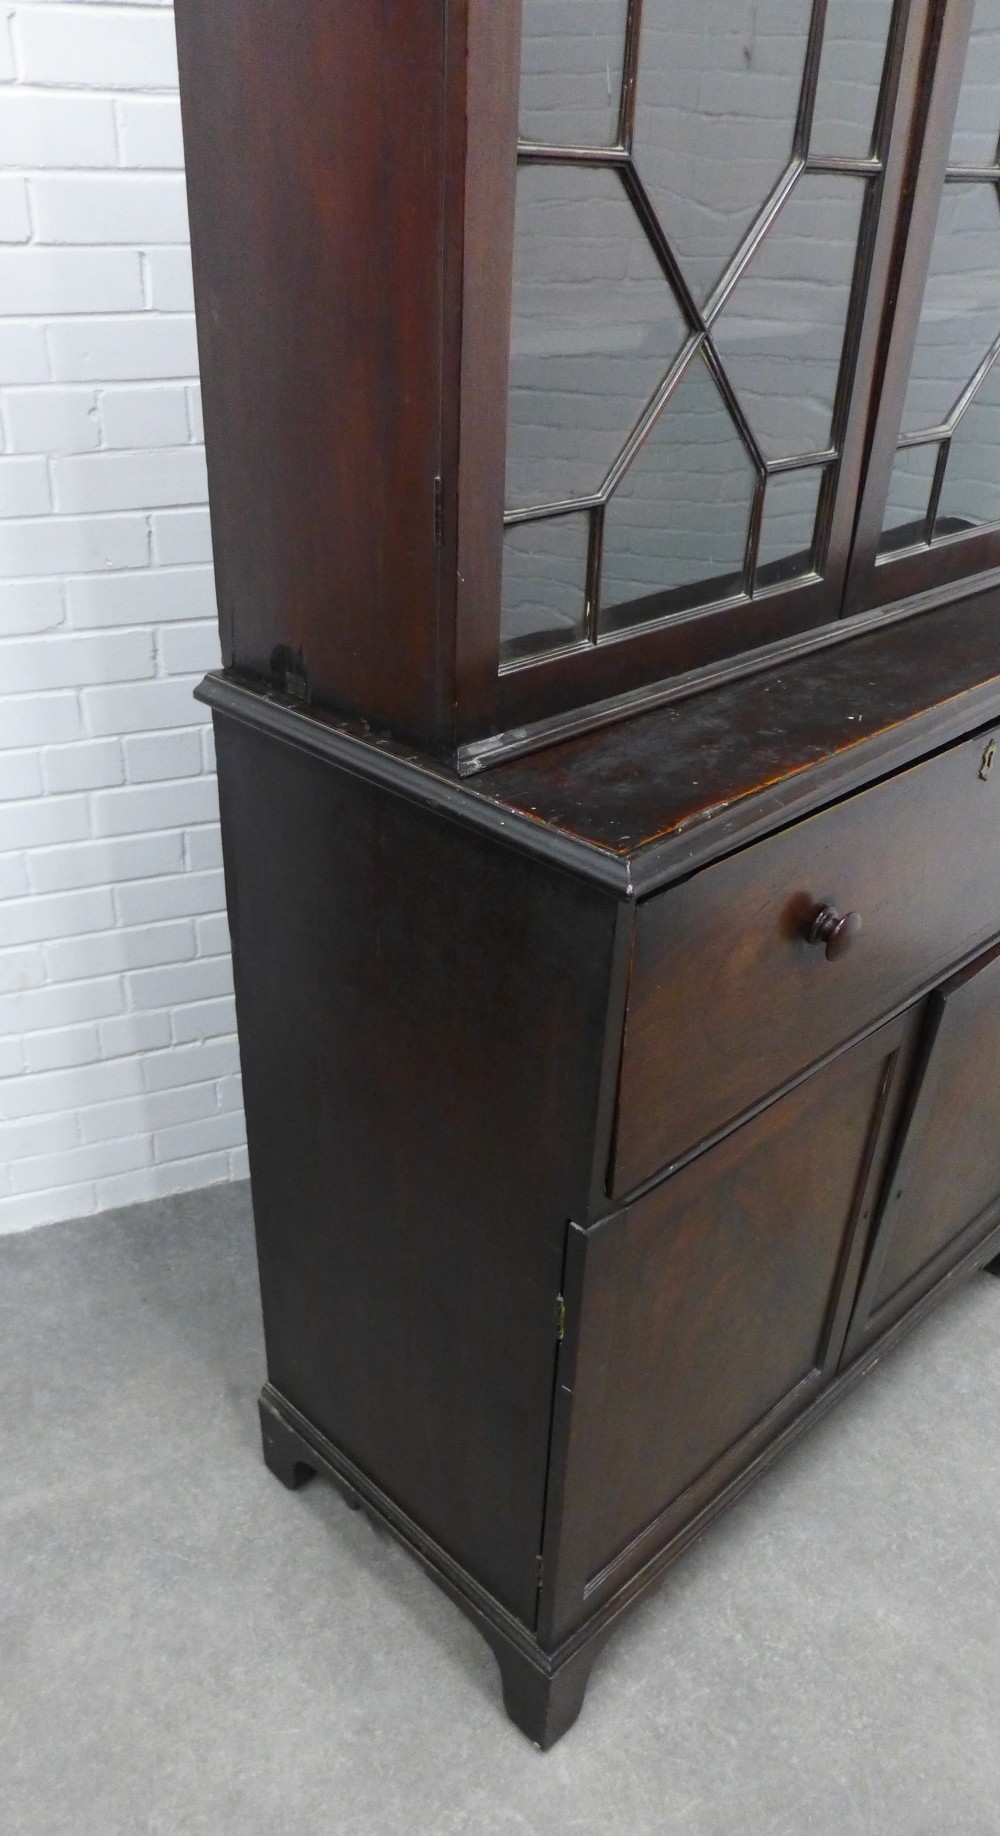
[{"x": 693, "y": 183}]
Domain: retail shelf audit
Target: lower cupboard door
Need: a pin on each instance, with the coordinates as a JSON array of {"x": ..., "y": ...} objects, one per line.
[
  {"x": 703, "y": 1316},
  {"x": 943, "y": 1196}
]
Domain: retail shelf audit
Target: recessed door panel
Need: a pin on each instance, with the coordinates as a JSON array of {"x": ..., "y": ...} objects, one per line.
[
  {"x": 944, "y": 1192},
  {"x": 702, "y": 1317}
]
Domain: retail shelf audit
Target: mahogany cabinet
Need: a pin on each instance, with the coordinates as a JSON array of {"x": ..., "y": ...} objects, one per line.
[{"x": 604, "y": 455}]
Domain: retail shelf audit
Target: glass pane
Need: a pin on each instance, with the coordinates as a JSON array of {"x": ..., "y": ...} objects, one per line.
[
  {"x": 960, "y": 316},
  {"x": 595, "y": 328},
  {"x": 909, "y": 495},
  {"x": 716, "y": 103},
  {"x": 786, "y": 537},
  {"x": 970, "y": 495},
  {"x": 681, "y": 513},
  {"x": 977, "y": 124},
  {"x": 544, "y": 584},
  {"x": 781, "y": 334},
  {"x": 850, "y": 74},
  {"x": 571, "y": 71}
]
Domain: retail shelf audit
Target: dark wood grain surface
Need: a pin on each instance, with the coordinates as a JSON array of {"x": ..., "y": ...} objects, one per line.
[
  {"x": 945, "y": 1184},
  {"x": 422, "y": 1014},
  {"x": 706, "y": 1307},
  {"x": 663, "y": 774},
  {"x": 479, "y": 263},
  {"x": 314, "y": 139},
  {"x": 728, "y": 999},
  {"x": 642, "y": 802}
]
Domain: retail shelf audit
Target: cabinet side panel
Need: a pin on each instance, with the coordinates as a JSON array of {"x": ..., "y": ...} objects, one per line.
[
  {"x": 421, "y": 1015},
  {"x": 314, "y": 145}
]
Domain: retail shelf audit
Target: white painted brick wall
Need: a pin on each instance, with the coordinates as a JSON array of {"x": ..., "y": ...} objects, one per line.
[{"x": 119, "y": 1070}]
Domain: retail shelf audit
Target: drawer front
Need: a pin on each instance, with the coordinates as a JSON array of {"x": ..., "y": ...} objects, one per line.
[{"x": 727, "y": 998}]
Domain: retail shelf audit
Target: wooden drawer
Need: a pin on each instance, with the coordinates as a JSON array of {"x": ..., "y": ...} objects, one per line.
[{"x": 727, "y": 999}]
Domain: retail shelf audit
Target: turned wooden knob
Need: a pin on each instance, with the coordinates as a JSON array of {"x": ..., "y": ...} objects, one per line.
[{"x": 835, "y": 930}]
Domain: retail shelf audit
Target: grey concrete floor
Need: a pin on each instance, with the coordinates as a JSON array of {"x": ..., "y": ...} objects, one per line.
[{"x": 186, "y": 1649}]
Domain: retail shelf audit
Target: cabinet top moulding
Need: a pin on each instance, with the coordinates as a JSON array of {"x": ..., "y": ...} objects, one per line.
[{"x": 639, "y": 805}]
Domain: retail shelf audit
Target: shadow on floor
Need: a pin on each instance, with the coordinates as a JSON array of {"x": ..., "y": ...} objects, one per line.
[{"x": 186, "y": 1647}]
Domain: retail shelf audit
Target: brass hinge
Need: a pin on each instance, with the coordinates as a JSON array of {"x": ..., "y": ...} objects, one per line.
[
  {"x": 560, "y": 1319},
  {"x": 438, "y": 511}
]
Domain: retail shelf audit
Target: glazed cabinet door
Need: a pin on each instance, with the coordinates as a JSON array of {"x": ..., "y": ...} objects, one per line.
[
  {"x": 702, "y": 1317},
  {"x": 942, "y": 1197}
]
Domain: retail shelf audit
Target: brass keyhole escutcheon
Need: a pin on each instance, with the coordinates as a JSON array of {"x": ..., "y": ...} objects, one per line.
[{"x": 988, "y": 757}]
